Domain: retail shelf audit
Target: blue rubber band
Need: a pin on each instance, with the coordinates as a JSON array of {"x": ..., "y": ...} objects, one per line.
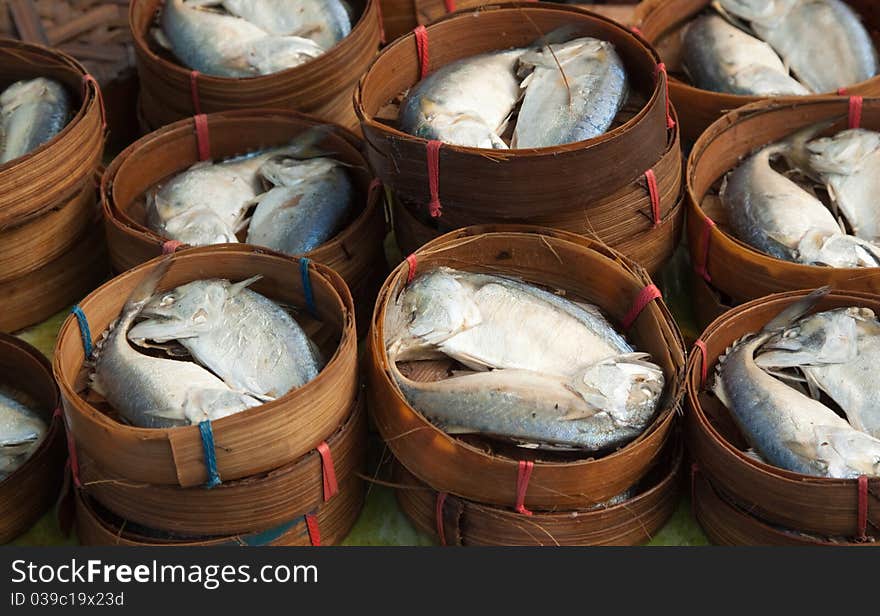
[
  {"x": 210, "y": 457},
  {"x": 84, "y": 330},
  {"x": 307, "y": 285}
]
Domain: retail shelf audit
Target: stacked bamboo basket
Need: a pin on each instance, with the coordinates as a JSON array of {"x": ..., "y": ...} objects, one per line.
[
  {"x": 355, "y": 253},
  {"x": 32, "y": 488},
  {"x": 727, "y": 271},
  {"x": 661, "y": 22},
  {"x": 284, "y": 473},
  {"x": 322, "y": 87},
  {"x": 476, "y": 491},
  {"x": 630, "y": 197},
  {"x": 50, "y": 229},
  {"x": 741, "y": 501}
]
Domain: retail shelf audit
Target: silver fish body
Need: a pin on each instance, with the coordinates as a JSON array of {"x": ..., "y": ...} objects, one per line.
[
  {"x": 31, "y": 113},
  {"x": 823, "y": 41},
  {"x": 246, "y": 339},
  {"x": 576, "y": 104},
  {"x": 849, "y": 165},
  {"x": 152, "y": 392},
  {"x": 490, "y": 322},
  {"x": 324, "y": 21},
  {"x": 723, "y": 58},
  {"x": 543, "y": 411},
  {"x": 773, "y": 214},
  {"x": 787, "y": 428},
  {"x": 838, "y": 351},
  {"x": 21, "y": 432},
  {"x": 310, "y": 201},
  {"x": 466, "y": 103},
  {"x": 228, "y": 46}
]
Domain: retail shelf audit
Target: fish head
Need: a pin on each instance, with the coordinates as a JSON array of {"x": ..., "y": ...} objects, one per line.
[
  {"x": 200, "y": 227},
  {"x": 432, "y": 309},
  {"x": 628, "y": 387},
  {"x": 765, "y": 12},
  {"x": 286, "y": 171},
  {"x": 185, "y": 312},
  {"x": 829, "y": 337},
  {"x": 844, "y": 152},
  {"x": 836, "y": 249},
  {"x": 848, "y": 453}
]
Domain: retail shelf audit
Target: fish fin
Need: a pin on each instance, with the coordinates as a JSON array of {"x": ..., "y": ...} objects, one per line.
[
  {"x": 474, "y": 363},
  {"x": 731, "y": 19},
  {"x": 161, "y": 38},
  {"x": 796, "y": 310},
  {"x": 236, "y": 288},
  {"x": 145, "y": 289},
  {"x": 796, "y": 152},
  {"x": 813, "y": 385},
  {"x": 174, "y": 414}
]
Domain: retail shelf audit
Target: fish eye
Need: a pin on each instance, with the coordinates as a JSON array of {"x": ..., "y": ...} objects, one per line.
[{"x": 167, "y": 300}]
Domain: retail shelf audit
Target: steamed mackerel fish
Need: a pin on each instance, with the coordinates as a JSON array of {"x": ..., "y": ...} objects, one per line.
[
  {"x": 21, "y": 432},
  {"x": 849, "y": 165},
  {"x": 823, "y": 41},
  {"x": 838, "y": 351},
  {"x": 324, "y": 21},
  {"x": 246, "y": 339},
  {"x": 31, "y": 113},
  {"x": 206, "y": 204},
  {"x": 227, "y": 46},
  {"x": 310, "y": 201},
  {"x": 468, "y": 102},
  {"x": 152, "y": 392},
  {"x": 786, "y": 427},
  {"x": 723, "y": 58},
  {"x": 775, "y": 215},
  {"x": 573, "y": 93}
]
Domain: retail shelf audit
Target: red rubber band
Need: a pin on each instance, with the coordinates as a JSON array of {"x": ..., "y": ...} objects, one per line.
[
  {"x": 375, "y": 184},
  {"x": 441, "y": 500},
  {"x": 314, "y": 531},
  {"x": 203, "y": 137},
  {"x": 704, "y": 362},
  {"x": 661, "y": 68},
  {"x": 863, "y": 508},
  {"x": 170, "y": 246},
  {"x": 421, "y": 34},
  {"x": 433, "y": 158},
  {"x": 328, "y": 470},
  {"x": 703, "y": 268},
  {"x": 645, "y": 297},
  {"x": 88, "y": 79},
  {"x": 654, "y": 193},
  {"x": 855, "y": 111},
  {"x": 194, "y": 92},
  {"x": 413, "y": 262},
  {"x": 636, "y": 30},
  {"x": 57, "y": 412},
  {"x": 382, "y": 39},
  {"x": 450, "y": 5},
  {"x": 841, "y": 91},
  {"x": 524, "y": 473}
]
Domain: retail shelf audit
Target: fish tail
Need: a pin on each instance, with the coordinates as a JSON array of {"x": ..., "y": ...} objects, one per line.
[
  {"x": 145, "y": 289},
  {"x": 795, "y": 311},
  {"x": 794, "y": 148}
]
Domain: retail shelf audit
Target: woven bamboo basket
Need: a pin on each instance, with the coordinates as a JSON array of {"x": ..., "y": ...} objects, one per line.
[
  {"x": 355, "y": 252},
  {"x": 328, "y": 524},
  {"x": 36, "y": 296},
  {"x": 829, "y": 507},
  {"x": 514, "y": 181},
  {"x": 661, "y": 22},
  {"x": 32, "y": 488},
  {"x": 478, "y": 470},
  {"x": 624, "y": 220},
  {"x": 248, "y": 443},
  {"x": 321, "y": 87},
  {"x": 59, "y": 171},
  {"x": 454, "y": 521},
  {"x": 726, "y": 523},
  {"x": 733, "y": 268},
  {"x": 247, "y": 505}
]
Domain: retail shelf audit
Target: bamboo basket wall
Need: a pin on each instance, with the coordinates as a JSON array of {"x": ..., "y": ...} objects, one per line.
[
  {"x": 38, "y": 295},
  {"x": 726, "y": 523},
  {"x": 334, "y": 520},
  {"x": 32, "y": 488},
  {"x": 828, "y": 507},
  {"x": 632, "y": 522},
  {"x": 623, "y": 220},
  {"x": 734, "y": 268},
  {"x": 322, "y": 87},
  {"x": 248, "y": 505},
  {"x": 479, "y": 471},
  {"x": 251, "y": 442},
  {"x": 661, "y": 23},
  {"x": 355, "y": 252}
]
